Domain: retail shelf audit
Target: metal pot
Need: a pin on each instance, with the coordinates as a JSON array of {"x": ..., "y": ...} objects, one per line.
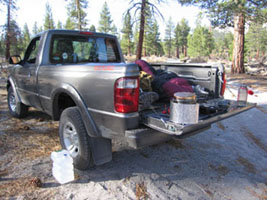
[{"x": 184, "y": 109}]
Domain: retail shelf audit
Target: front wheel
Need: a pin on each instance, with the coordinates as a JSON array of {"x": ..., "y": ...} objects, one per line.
[
  {"x": 74, "y": 138},
  {"x": 16, "y": 109}
]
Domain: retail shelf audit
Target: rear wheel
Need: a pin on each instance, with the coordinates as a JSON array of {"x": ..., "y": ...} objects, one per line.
[
  {"x": 74, "y": 138},
  {"x": 16, "y": 109}
]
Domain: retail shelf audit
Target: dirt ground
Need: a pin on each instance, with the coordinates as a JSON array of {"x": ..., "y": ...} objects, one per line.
[{"x": 228, "y": 161}]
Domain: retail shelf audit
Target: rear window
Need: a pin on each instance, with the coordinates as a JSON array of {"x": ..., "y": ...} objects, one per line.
[{"x": 82, "y": 49}]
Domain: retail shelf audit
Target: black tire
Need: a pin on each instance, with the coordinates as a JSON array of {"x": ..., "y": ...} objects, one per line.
[
  {"x": 71, "y": 130},
  {"x": 16, "y": 109}
]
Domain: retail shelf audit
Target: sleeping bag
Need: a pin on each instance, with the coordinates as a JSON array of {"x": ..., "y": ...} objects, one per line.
[{"x": 165, "y": 83}]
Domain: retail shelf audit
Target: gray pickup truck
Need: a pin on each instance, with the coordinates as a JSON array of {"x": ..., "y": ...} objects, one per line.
[{"x": 82, "y": 80}]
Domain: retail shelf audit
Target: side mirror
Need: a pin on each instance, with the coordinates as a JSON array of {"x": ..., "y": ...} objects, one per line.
[{"x": 14, "y": 59}]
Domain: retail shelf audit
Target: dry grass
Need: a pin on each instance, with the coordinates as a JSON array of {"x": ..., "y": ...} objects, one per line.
[
  {"x": 220, "y": 125},
  {"x": 24, "y": 140},
  {"x": 248, "y": 165},
  {"x": 221, "y": 169},
  {"x": 254, "y": 139},
  {"x": 262, "y": 196},
  {"x": 176, "y": 144},
  {"x": 141, "y": 191},
  {"x": 17, "y": 187}
]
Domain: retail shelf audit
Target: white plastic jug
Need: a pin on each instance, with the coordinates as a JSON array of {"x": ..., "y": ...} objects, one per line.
[{"x": 62, "y": 166}]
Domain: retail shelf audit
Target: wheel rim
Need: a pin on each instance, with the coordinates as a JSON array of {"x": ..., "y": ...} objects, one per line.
[
  {"x": 12, "y": 102},
  {"x": 71, "y": 140}
]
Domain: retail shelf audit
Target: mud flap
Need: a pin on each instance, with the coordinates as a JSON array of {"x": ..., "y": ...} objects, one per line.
[{"x": 101, "y": 150}]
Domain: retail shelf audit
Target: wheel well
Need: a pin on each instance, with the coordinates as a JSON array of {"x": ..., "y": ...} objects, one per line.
[{"x": 61, "y": 102}]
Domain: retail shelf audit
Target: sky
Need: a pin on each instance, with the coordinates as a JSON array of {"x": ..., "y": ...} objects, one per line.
[{"x": 34, "y": 10}]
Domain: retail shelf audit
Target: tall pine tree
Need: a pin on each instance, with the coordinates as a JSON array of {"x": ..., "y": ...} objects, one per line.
[
  {"x": 10, "y": 25},
  {"x": 256, "y": 40},
  {"x": 92, "y": 28},
  {"x": 26, "y": 37},
  {"x": 201, "y": 42},
  {"x": 127, "y": 34},
  {"x": 35, "y": 28},
  {"x": 105, "y": 22},
  {"x": 59, "y": 25},
  {"x": 77, "y": 14},
  {"x": 49, "y": 22},
  {"x": 169, "y": 37}
]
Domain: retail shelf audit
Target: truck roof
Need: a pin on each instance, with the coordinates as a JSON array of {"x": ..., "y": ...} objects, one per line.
[{"x": 74, "y": 32}]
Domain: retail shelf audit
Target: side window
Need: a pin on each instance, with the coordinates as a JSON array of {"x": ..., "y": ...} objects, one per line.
[
  {"x": 32, "y": 51},
  {"x": 112, "y": 51}
]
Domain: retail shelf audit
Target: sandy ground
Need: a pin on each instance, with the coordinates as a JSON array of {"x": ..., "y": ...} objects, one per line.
[{"x": 228, "y": 161}]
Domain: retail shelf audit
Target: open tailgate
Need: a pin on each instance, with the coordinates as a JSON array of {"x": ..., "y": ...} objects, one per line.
[{"x": 160, "y": 122}]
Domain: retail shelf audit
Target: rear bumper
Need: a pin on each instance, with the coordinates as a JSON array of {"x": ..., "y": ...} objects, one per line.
[{"x": 143, "y": 137}]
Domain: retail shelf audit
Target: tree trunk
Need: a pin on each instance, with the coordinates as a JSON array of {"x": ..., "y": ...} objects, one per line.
[
  {"x": 239, "y": 38},
  {"x": 141, "y": 31},
  {"x": 79, "y": 14},
  {"x": 129, "y": 47},
  {"x": 8, "y": 31},
  {"x": 177, "y": 52},
  {"x": 258, "y": 54},
  {"x": 145, "y": 52},
  {"x": 185, "y": 51}
]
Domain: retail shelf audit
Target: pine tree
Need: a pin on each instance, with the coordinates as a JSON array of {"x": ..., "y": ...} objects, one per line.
[
  {"x": 156, "y": 47},
  {"x": 178, "y": 39},
  {"x": 26, "y": 37},
  {"x": 256, "y": 40},
  {"x": 147, "y": 33},
  {"x": 114, "y": 31},
  {"x": 49, "y": 22},
  {"x": 136, "y": 37},
  {"x": 35, "y": 28},
  {"x": 169, "y": 37},
  {"x": 185, "y": 29},
  {"x": 15, "y": 38},
  {"x": 127, "y": 35},
  {"x": 201, "y": 42},
  {"x": 40, "y": 29},
  {"x": 223, "y": 44},
  {"x": 151, "y": 35},
  {"x": 77, "y": 14},
  {"x": 59, "y": 25},
  {"x": 2, "y": 46},
  {"x": 92, "y": 28},
  {"x": 69, "y": 24},
  {"x": 11, "y": 7},
  {"x": 105, "y": 22}
]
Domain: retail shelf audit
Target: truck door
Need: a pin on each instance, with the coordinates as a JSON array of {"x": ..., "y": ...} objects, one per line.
[{"x": 27, "y": 77}]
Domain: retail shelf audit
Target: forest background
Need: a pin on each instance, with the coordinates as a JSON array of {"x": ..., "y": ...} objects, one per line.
[{"x": 141, "y": 33}]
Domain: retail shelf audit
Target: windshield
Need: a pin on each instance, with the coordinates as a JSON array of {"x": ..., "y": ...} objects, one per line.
[{"x": 81, "y": 49}]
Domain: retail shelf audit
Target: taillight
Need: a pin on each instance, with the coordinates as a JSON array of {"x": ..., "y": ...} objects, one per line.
[
  {"x": 224, "y": 84},
  {"x": 126, "y": 94}
]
